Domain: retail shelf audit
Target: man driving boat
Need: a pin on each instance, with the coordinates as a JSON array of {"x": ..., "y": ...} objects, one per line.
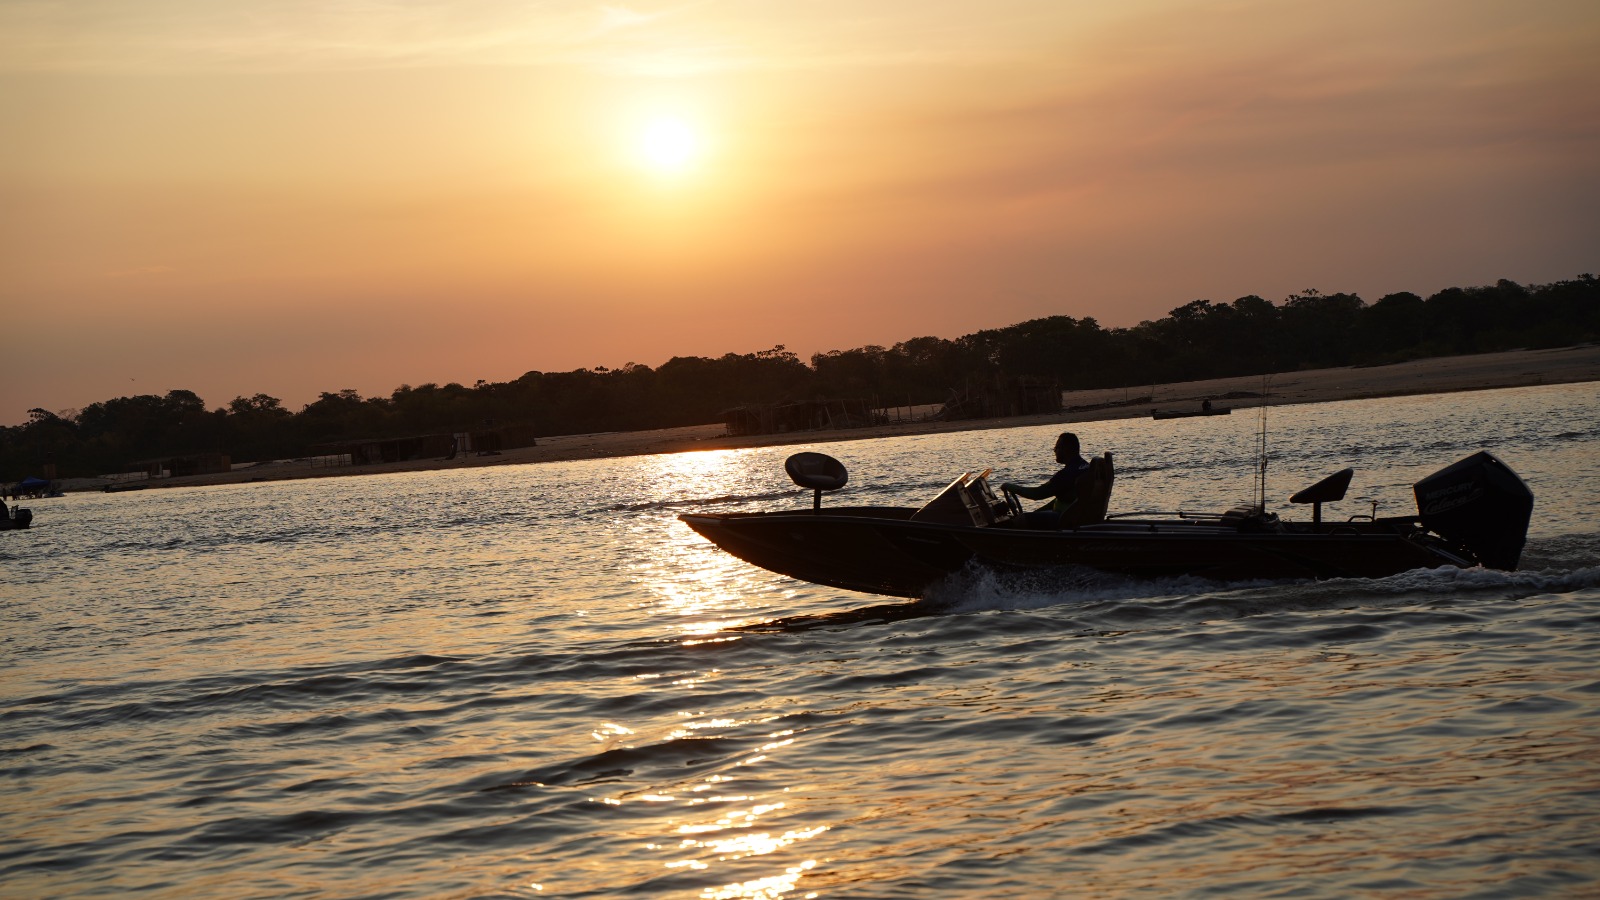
[{"x": 1060, "y": 488}]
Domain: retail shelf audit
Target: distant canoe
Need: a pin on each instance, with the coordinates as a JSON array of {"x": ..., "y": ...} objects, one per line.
[{"x": 1186, "y": 413}]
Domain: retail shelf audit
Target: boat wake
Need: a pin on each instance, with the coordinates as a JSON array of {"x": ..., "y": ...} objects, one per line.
[
  {"x": 979, "y": 589},
  {"x": 877, "y": 614},
  {"x": 1101, "y": 601},
  {"x": 1097, "y": 601},
  {"x": 1113, "y": 601},
  {"x": 1562, "y": 552}
]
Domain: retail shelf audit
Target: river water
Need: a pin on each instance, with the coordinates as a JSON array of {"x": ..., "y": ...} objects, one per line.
[{"x": 534, "y": 681}]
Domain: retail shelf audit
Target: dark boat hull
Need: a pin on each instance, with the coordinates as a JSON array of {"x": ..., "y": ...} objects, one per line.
[
  {"x": 860, "y": 552},
  {"x": 1187, "y": 414},
  {"x": 880, "y": 551}
]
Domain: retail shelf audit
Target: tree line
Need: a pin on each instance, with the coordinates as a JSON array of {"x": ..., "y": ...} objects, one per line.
[{"x": 1201, "y": 339}]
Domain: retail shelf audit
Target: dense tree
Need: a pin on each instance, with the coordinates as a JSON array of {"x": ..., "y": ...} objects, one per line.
[
  {"x": 1393, "y": 327},
  {"x": 1318, "y": 330},
  {"x": 1200, "y": 339},
  {"x": 257, "y": 426}
]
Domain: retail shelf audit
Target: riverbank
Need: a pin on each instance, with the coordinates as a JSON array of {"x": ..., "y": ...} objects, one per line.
[{"x": 1515, "y": 368}]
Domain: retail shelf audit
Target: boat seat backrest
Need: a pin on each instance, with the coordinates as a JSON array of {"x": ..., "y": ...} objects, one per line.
[
  {"x": 1093, "y": 492},
  {"x": 1329, "y": 490}
]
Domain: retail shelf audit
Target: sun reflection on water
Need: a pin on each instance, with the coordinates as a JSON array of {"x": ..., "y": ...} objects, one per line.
[
  {"x": 694, "y": 471},
  {"x": 702, "y": 591},
  {"x": 610, "y": 730},
  {"x": 770, "y": 888},
  {"x": 710, "y": 823}
]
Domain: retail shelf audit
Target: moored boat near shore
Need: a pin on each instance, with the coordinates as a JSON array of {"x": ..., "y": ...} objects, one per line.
[{"x": 1188, "y": 413}]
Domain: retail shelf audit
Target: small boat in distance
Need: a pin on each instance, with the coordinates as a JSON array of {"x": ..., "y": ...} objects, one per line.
[
  {"x": 14, "y": 517},
  {"x": 1206, "y": 409},
  {"x": 1475, "y": 512}
]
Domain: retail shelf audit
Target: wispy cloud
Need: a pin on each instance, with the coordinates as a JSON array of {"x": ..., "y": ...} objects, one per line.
[
  {"x": 699, "y": 35},
  {"x": 612, "y": 17},
  {"x": 107, "y": 35}
]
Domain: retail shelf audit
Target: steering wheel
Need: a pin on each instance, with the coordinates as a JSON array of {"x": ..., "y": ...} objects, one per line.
[{"x": 1012, "y": 503}]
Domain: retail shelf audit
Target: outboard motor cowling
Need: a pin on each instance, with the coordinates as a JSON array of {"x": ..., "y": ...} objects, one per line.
[{"x": 1480, "y": 504}]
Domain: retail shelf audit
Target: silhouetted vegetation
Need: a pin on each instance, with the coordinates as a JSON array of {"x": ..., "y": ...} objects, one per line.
[{"x": 1201, "y": 339}]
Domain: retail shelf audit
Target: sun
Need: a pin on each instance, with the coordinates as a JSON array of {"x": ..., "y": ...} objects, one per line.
[{"x": 668, "y": 146}]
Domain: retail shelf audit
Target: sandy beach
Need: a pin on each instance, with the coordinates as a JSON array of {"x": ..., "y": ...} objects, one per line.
[{"x": 1516, "y": 368}]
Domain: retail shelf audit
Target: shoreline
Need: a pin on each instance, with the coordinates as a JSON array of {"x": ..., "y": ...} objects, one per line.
[{"x": 1439, "y": 375}]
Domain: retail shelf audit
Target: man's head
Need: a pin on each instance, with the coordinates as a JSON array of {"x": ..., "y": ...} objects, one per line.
[{"x": 1066, "y": 447}]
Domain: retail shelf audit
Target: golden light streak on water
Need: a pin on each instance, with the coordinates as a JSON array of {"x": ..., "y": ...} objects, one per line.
[
  {"x": 697, "y": 474},
  {"x": 770, "y": 888},
  {"x": 609, "y": 730},
  {"x": 705, "y": 592}
]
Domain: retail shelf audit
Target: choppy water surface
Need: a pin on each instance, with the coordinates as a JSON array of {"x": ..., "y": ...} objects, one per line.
[{"x": 535, "y": 681}]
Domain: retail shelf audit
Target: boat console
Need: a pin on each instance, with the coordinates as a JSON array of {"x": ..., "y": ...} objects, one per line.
[{"x": 966, "y": 501}]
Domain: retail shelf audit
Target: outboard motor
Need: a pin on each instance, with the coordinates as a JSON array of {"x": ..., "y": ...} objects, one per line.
[{"x": 1480, "y": 504}]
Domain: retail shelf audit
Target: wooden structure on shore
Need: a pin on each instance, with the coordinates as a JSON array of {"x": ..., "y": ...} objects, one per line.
[
  {"x": 1020, "y": 396},
  {"x": 188, "y": 464},
  {"x": 441, "y": 445},
  {"x": 802, "y": 415}
]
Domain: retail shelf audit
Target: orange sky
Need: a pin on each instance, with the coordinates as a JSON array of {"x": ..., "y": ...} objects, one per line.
[{"x": 294, "y": 197}]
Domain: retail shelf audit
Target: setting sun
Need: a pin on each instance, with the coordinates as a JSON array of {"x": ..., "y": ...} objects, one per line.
[{"x": 668, "y": 146}]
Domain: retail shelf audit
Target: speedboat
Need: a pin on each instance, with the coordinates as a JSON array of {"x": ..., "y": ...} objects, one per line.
[{"x": 1472, "y": 513}]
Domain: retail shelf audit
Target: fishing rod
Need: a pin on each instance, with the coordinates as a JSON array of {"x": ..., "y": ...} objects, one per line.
[{"x": 1261, "y": 445}]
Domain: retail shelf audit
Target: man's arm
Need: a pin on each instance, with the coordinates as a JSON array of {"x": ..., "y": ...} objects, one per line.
[
  {"x": 1060, "y": 486},
  {"x": 1042, "y": 492}
]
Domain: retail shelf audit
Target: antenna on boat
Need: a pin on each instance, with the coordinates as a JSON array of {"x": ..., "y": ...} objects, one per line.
[{"x": 1261, "y": 446}]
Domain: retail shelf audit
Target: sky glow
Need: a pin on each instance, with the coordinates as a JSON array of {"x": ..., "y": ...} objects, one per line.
[
  {"x": 668, "y": 146},
  {"x": 297, "y": 197}
]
